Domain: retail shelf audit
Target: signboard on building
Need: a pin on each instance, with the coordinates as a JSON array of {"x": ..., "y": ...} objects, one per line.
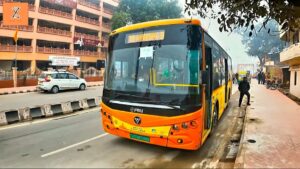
[
  {"x": 64, "y": 60},
  {"x": 15, "y": 13}
]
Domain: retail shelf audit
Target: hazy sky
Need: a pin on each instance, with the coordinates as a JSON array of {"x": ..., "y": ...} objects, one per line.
[{"x": 231, "y": 42}]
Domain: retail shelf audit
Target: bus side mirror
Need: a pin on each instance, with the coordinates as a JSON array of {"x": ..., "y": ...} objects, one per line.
[{"x": 205, "y": 78}]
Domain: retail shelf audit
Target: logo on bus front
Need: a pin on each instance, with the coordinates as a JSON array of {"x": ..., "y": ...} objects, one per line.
[
  {"x": 137, "y": 120},
  {"x": 136, "y": 110}
]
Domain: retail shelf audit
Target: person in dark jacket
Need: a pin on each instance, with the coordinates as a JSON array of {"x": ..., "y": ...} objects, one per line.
[
  {"x": 259, "y": 78},
  {"x": 244, "y": 88}
]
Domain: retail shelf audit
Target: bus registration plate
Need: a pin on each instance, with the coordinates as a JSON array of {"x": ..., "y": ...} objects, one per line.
[{"x": 139, "y": 137}]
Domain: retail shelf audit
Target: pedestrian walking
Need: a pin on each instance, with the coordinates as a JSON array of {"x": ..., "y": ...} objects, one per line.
[
  {"x": 244, "y": 88},
  {"x": 237, "y": 78},
  {"x": 259, "y": 77},
  {"x": 263, "y": 78}
]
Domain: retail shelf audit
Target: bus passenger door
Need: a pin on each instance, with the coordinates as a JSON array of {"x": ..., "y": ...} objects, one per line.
[
  {"x": 208, "y": 93},
  {"x": 226, "y": 80}
]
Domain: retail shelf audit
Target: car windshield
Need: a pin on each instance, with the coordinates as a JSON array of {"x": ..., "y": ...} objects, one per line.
[{"x": 165, "y": 70}]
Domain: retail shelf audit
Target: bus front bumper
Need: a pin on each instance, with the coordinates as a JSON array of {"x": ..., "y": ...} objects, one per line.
[{"x": 189, "y": 139}]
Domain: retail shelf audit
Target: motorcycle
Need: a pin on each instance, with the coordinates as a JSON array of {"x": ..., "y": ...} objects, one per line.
[{"x": 272, "y": 84}]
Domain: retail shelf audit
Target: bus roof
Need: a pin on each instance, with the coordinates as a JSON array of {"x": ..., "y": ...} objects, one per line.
[{"x": 156, "y": 23}]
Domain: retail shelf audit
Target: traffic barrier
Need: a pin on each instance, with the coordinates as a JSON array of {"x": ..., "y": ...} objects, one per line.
[
  {"x": 36, "y": 112},
  {"x": 24, "y": 114},
  {"x": 12, "y": 116},
  {"x": 91, "y": 102},
  {"x": 66, "y": 107},
  {"x": 3, "y": 120},
  {"x": 75, "y": 105},
  {"x": 56, "y": 109},
  {"x": 83, "y": 104},
  {"x": 47, "y": 111}
]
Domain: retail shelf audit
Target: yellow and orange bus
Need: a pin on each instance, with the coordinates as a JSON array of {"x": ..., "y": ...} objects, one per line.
[{"x": 167, "y": 83}]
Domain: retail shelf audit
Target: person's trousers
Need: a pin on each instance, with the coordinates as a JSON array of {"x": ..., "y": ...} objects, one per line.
[{"x": 242, "y": 95}]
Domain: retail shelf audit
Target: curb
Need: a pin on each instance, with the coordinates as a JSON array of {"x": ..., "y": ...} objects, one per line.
[
  {"x": 8, "y": 117},
  {"x": 35, "y": 90},
  {"x": 239, "y": 161}
]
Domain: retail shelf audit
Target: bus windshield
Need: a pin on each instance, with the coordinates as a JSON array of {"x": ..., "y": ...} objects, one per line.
[{"x": 158, "y": 64}]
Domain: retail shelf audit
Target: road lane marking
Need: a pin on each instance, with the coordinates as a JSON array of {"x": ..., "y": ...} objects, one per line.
[{"x": 73, "y": 145}]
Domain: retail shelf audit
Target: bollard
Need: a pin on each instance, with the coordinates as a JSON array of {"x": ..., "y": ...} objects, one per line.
[
  {"x": 66, "y": 107},
  {"x": 56, "y": 109},
  {"x": 75, "y": 106},
  {"x": 37, "y": 112},
  {"x": 3, "y": 120},
  {"x": 24, "y": 114},
  {"x": 12, "y": 116}
]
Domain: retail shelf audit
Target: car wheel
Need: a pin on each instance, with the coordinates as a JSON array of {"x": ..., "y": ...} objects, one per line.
[
  {"x": 82, "y": 87},
  {"x": 55, "y": 89}
]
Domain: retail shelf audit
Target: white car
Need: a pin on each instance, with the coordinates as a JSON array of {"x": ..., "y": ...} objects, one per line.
[{"x": 56, "y": 81}]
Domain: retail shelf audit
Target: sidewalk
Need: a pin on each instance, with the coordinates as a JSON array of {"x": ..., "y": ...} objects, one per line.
[
  {"x": 26, "y": 89},
  {"x": 271, "y": 136}
]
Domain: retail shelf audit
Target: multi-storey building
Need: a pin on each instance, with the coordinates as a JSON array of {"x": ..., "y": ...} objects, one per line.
[
  {"x": 54, "y": 28},
  {"x": 291, "y": 56}
]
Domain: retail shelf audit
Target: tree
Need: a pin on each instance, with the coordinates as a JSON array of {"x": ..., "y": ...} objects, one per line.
[
  {"x": 245, "y": 13},
  {"x": 135, "y": 11},
  {"x": 263, "y": 43}
]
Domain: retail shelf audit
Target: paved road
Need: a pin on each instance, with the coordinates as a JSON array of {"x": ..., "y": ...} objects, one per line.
[
  {"x": 79, "y": 141},
  {"x": 14, "y": 101}
]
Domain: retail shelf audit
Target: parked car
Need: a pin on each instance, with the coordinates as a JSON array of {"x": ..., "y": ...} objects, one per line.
[{"x": 55, "y": 81}]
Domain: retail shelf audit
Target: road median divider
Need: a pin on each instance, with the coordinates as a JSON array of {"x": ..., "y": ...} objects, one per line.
[{"x": 44, "y": 111}]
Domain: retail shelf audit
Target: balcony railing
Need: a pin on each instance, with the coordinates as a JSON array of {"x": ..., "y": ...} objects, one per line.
[
  {"x": 54, "y": 31},
  {"x": 55, "y": 12},
  {"x": 87, "y": 20},
  {"x": 86, "y": 53},
  {"x": 86, "y": 36},
  {"x": 106, "y": 25},
  {"x": 12, "y": 48},
  {"x": 53, "y": 50},
  {"x": 89, "y": 4},
  {"x": 31, "y": 7},
  {"x": 290, "y": 53},
  {"x": 28, "y": 28},
  {"x": 108, "y": 11}
]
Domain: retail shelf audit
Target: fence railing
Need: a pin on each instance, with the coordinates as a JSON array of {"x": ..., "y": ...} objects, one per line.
[
  {"x": 55, "y": 12},
  {"x": 106, "y": 25},
  {"x": 54, "y": 31},
  {"x": 92, "y": 72},
  {"x": 86, "y": 53},
  {"x": 87, "y": 20},
  {"x": 86, "y": 36},
  {"x": 89, "y": 4},
  {"x": 12, "y": 48},
  {"x": 28, "y": 28},
  {"x": 108, "y": 11},
  {"x": 53, "y": 50}
]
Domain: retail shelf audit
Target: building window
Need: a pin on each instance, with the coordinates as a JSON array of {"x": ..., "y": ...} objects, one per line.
[{"x": 295, "y": 83}]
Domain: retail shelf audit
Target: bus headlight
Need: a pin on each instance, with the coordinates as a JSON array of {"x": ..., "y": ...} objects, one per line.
[
  {"x": 175, "y": 127},
  {"x": 184, "y": 125},
  {"x": 193, "y": 123}
]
